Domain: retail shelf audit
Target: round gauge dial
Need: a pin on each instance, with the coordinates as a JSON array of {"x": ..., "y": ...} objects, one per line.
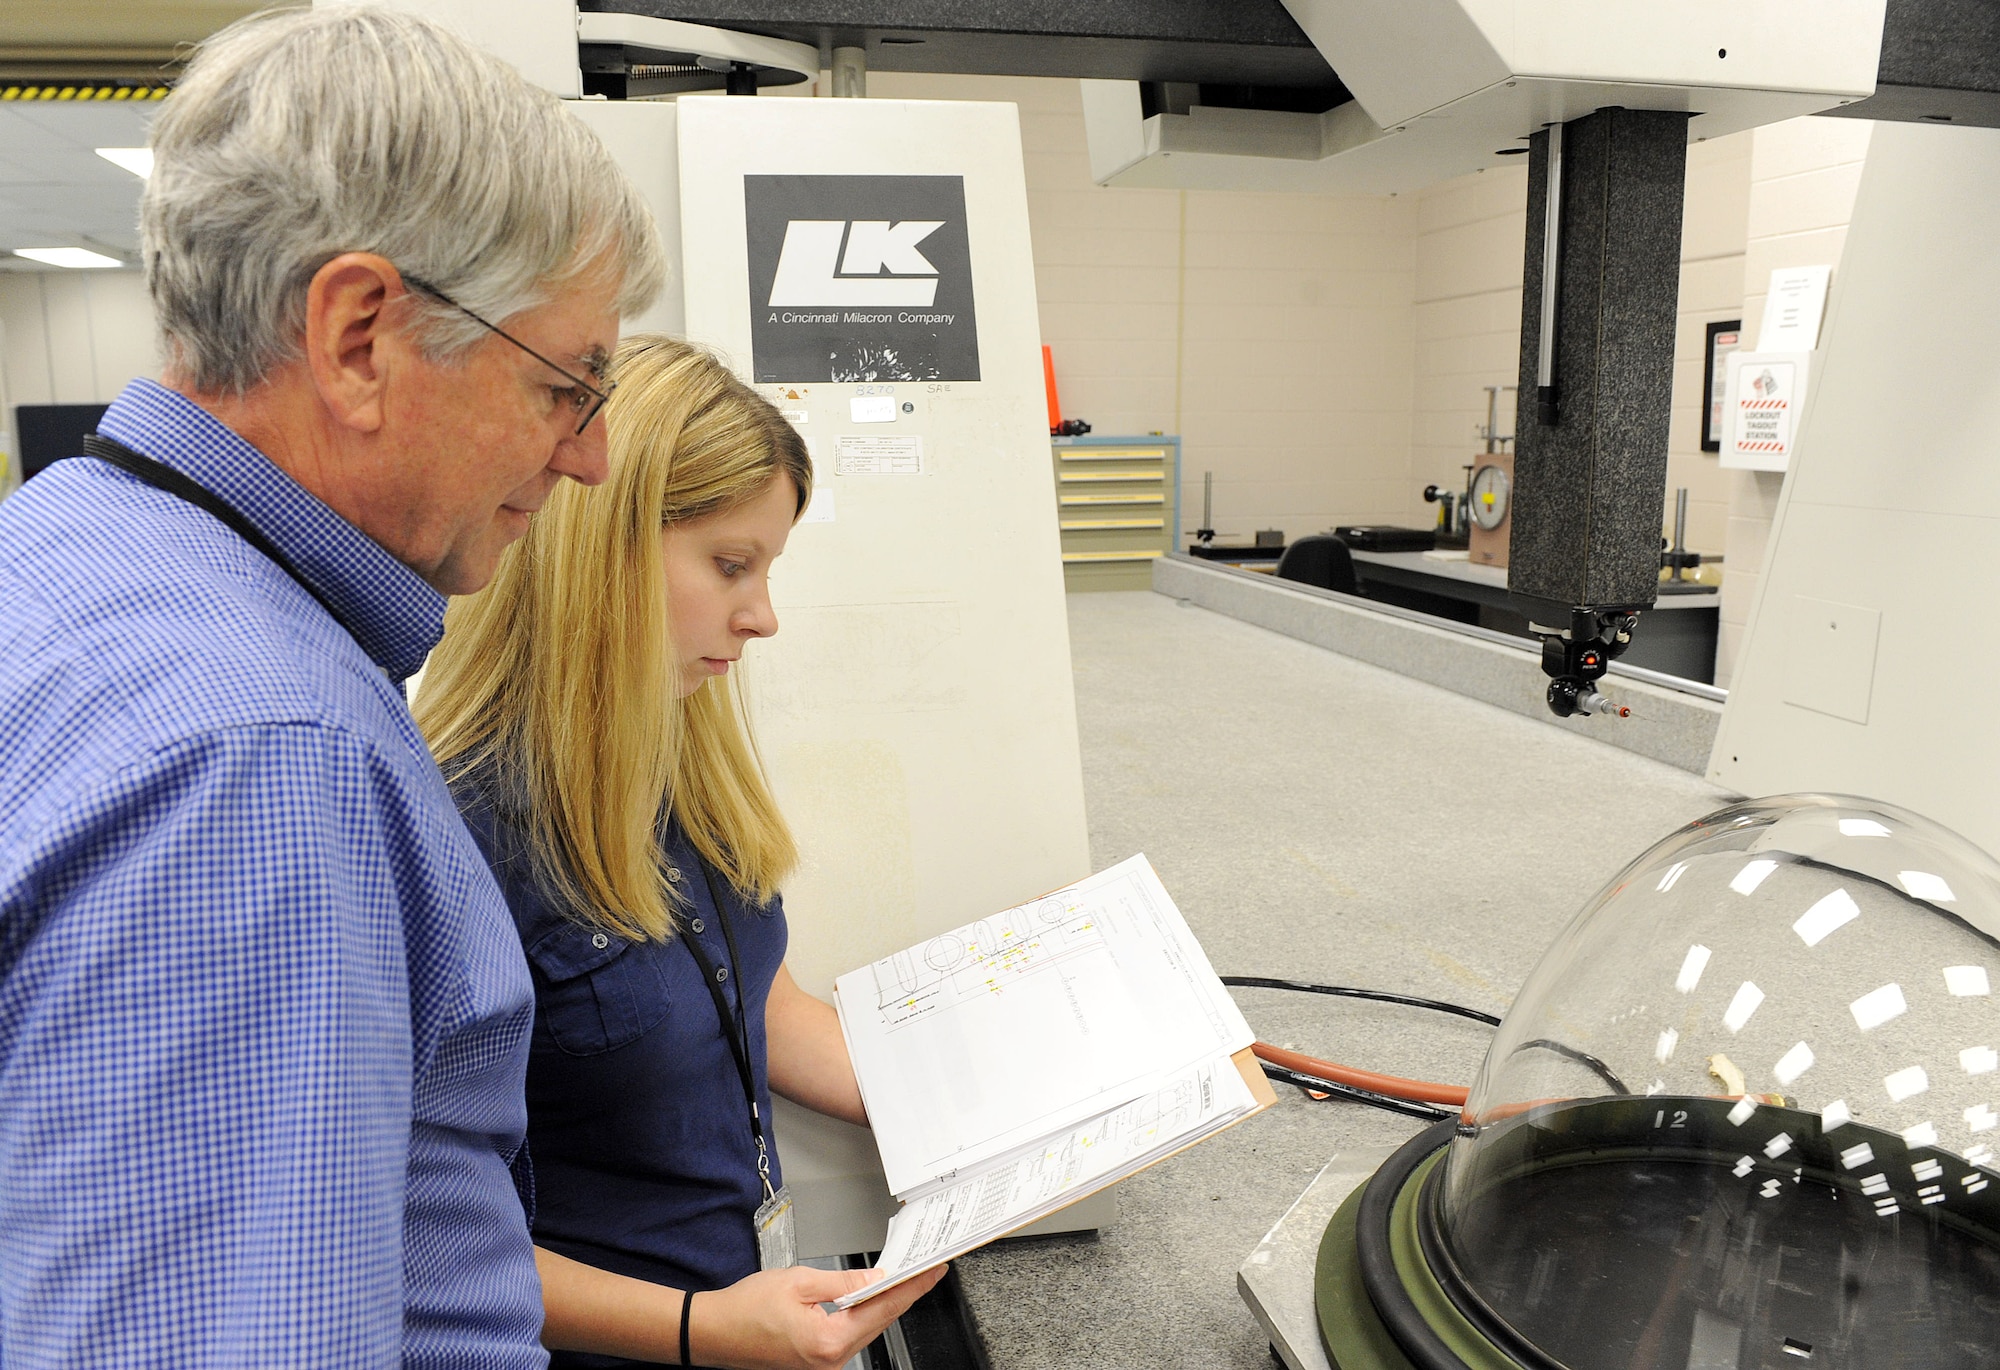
[{"x": 1491, "y": 493}]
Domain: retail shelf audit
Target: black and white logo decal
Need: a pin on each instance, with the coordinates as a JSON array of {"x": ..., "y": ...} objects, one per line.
[{"x": 860, "y": 278}]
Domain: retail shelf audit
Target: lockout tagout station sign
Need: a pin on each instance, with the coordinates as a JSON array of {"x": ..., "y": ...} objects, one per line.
[
  {"x": 859, "y": 279},
  {"x": 1763, "y": 397}
]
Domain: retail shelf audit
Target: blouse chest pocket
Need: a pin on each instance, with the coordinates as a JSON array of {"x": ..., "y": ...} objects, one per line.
[{"x": 594, "y": 990}]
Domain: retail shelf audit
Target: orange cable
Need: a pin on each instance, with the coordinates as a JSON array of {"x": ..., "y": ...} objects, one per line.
[{"x": 1395, "y": 1086}]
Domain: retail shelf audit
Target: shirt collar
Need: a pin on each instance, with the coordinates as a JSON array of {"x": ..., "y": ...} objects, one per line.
[{"x": 394, "y": 616}]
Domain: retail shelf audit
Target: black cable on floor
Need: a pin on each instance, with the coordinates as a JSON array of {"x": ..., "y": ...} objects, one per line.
[
  {"x": 1582, "y": 1058},
  {"x": 1349, "y": 992},
  {"x": 1409, "y": 1108}
]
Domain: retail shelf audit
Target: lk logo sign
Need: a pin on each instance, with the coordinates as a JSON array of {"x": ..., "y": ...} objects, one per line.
[
  {"x": 880, "y": 264},
  {"x": 860, "y": 278}
]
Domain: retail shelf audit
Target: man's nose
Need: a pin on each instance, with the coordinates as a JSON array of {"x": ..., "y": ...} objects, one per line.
[{"x": 584, "y": 457}]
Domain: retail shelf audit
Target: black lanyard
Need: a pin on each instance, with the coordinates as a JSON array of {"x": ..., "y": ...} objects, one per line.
[
  {"x": 736, "y": 1027},
  {"x": 162, "y": 477}
]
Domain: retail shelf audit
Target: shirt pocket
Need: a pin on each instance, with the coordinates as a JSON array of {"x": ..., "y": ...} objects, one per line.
[{"x": 596, "y": 991}]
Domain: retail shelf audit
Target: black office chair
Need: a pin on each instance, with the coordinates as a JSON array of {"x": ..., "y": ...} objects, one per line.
[{"x": 1320, "y": 559}]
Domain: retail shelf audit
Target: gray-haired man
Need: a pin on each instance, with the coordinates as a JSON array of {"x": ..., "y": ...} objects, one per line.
[{"x": 263, "y": 1014}]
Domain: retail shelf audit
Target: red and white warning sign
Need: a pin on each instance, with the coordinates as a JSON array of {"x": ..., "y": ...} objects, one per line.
[{"x": 1761, "y": 405}]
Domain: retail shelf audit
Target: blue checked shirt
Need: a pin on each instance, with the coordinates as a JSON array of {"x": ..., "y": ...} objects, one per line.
[{"x": 263, "y": 1013}]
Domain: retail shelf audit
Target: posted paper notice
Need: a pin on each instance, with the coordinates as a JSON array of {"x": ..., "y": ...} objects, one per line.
[
  {"x": 897, "y": 455},
  {"x": 1793, "y": 309}
]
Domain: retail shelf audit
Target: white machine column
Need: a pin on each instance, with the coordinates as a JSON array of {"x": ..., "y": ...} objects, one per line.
[{"x": 867, "y": 263}]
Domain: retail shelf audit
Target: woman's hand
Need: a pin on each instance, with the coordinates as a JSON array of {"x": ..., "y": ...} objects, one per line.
[
  {"x": 767, "y": 1321},
  {"x": 772, "y": 1320}
]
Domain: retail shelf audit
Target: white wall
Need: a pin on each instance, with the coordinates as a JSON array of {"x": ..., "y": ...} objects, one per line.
[
  {"x": 1866, "y": 669},
  {"x": 10, "y": 469},
  {"x": 1274, "y": 333},
  {"x": 1712, "y": 241},
  {"x": 71, "y": 337},
  {"x": 1803, "y": 178},
  {"x": 1471, "y": 234}
]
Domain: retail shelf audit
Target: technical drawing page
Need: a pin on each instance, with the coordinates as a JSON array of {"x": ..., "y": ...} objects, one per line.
[
  {"x": 935, "y": 1113},
  {"x": 1193, "y": 1013},
  {"x": 1018, "y": 1057},
  {"x": 1030, "y": 1021},
  {"x": 972, "y": 1211}
]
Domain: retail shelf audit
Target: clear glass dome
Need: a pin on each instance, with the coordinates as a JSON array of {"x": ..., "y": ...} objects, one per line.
[{"x": 1743, "y": 1113}]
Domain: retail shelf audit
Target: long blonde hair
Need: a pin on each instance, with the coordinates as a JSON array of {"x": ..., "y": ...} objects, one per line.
[{"x": 559, "y": 681}]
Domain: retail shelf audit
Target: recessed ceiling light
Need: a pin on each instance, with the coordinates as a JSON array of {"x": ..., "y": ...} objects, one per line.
[
  {"x": 137, "y": 160},
  {"x": 66, "y": 256}
]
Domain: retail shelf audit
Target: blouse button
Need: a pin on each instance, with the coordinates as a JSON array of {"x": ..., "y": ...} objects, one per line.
[
  {"x": 600, "y": 941},
  {"x": 721, "y": 974},
  {"x": 698, "y": 925},
  {"x": 673, "y": 875}
]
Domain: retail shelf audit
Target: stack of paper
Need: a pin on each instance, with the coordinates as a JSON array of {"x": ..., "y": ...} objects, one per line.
[{"x": 1017, "y": 1064}]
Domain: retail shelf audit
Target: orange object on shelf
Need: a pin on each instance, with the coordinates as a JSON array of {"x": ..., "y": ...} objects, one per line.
[{"x": 1049, "y": 380}]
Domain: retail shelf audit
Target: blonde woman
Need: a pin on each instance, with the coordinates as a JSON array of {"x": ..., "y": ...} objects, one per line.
[{"x": 581, "y": 708}]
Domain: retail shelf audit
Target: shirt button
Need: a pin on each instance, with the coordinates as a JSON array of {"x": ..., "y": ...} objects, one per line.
[
  {"x": 721, "y": 974},
  {"x": 698, "y": 925},
  {"x": 673, "y": 875},
  {"x": 600, "y": 941}
]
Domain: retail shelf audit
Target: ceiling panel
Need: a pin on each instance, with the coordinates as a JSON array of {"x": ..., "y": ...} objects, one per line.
[
  {"x": 55, "y": 191},
  {"x": 92, "y": 125},
  {"x": 114, "y": 23}
]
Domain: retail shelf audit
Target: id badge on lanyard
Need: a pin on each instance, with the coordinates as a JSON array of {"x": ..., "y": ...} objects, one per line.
[
  {"x": 777, "y": 1244},
  {"x": 777, "y": 1239}
]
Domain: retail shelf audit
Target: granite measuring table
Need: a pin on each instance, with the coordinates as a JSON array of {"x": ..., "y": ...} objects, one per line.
[{"x": 1676, "y": 636}]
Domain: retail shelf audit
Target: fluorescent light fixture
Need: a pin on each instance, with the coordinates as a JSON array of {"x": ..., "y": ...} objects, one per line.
[
  {"x": 1965, "y": 981},
  {"x": 1924, "y": 885},
  {"x": 66, "y": 256},
  {"x": 1878, "y": 1006},
  {"x": 1835, "y": 911},
  {"x": 137, "y": 160},
  {"x": 1691, "y": 969},
  {"x": 1751, "y": 876},
  {"x": 1793, "y": 1064},
  {"x": 1748, "y": 996},
  {"x": 1903, "y": 1084}
]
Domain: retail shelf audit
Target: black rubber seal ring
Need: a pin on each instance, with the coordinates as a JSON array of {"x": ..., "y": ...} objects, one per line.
[
  {"x": 1445, "y": 1269},
  {"x": 1393, "y": 1305}
]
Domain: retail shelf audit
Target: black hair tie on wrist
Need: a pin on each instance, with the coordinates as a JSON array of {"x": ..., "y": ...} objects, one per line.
[{"x": 687, "y": 1307}]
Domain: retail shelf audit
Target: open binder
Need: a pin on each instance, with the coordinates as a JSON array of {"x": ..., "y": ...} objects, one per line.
[{"x": 1027, "y": 1060}]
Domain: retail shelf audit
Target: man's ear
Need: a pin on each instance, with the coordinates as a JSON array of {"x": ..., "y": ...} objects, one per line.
[{"x": 351, "y": 348}]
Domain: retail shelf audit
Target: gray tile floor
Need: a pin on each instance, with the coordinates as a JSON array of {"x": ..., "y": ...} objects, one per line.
[{"x": 1320, "y": 819}]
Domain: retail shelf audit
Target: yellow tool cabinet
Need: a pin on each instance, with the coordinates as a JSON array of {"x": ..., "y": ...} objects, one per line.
[{"x": 1118, "y": 508}]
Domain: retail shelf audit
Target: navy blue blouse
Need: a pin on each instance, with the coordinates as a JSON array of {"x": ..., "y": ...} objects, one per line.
[{"x": 644, "y": 1161}]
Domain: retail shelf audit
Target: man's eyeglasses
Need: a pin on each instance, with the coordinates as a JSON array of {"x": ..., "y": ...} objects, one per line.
[{"x": 586, "y": 399}]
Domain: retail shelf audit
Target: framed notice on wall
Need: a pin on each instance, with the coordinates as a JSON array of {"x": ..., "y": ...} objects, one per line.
[{"x": 1723, "y": 338}]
